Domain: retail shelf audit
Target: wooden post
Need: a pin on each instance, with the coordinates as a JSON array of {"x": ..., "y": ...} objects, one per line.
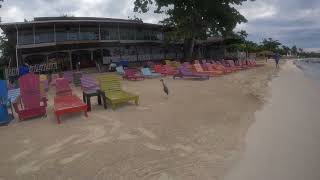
[{"x": 70, "y": 59}]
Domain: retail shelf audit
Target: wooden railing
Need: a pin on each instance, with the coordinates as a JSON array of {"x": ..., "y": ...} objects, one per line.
[{"x": 38, "y": 68}]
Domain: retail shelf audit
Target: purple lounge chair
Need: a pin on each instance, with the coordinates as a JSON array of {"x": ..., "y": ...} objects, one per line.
[{"x": 184, "y": 72}]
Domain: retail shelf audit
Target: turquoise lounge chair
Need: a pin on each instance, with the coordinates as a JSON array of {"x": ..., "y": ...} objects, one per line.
[
  {"x": 120, "y": 70},
  {"x": 148, "y": 74}
]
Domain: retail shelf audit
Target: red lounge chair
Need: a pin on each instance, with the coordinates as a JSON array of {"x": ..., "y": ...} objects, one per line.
[
  {"x": 159, "y": 69},
  {"x": 65, "y": 101},
  {"x": 131, "y": 74},
  {"x": 32, "y": 104},
  {"x": 63, "y": 87}
]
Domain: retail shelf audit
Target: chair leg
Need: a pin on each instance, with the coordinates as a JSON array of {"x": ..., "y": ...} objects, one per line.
[
  {"x": 58, "y": 120},
  {"x": 89, "y": 103},
  {"x": 84, "y": 97},
  {"x": 99, "y": 99}
]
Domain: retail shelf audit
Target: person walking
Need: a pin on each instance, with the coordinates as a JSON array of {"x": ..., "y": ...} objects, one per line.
[{"x": 277, "y": 59}]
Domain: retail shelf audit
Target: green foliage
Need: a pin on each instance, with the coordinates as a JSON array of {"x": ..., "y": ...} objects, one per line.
[
  {"x": 196, "y": 19},
  {"x": 271, "y": 44},
  {"x": 7, "y": 50}
]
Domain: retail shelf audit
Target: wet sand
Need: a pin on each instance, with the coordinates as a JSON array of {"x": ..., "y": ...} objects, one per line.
[
  {"x": 283, "y": 143},
  {"x": 195, "y": 133}
]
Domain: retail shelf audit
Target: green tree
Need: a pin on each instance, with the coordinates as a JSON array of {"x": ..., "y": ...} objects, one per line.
[
  {"x": 294, "y": 50},
  {"x": 7, "y": 50},
  {"x": 286, "y": 49},
  {"x": 195, "y": 19},
  {"x": 270, "y": 44}
]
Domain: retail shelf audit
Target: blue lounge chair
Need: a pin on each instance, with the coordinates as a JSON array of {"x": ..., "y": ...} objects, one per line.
[
  {"x": 120, "y": 70},
  {"x": 148, "y": 74},
  {"x": 5, "y": 117}
]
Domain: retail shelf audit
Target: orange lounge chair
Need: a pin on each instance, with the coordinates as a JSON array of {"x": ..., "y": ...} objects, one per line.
[{"x": 199, "y": 69}]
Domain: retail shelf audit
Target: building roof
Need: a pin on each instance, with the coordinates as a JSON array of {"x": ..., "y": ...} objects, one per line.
[{"x": 63, "y": 19}]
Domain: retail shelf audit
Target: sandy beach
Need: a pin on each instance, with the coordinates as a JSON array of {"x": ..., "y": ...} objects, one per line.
[
  {"x": 283, "y": 143},
  {"x": 198, "y": 132}
]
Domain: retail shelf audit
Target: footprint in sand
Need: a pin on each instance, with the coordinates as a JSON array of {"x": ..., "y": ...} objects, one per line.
[
  {"x": 58, "y": 146},
  {"x": 21, "y": 154},
  {"x": 164, "y": 176},
  {"x": 155, "y": 147},
  {"x": 182, "y": 147},
  {"x": 147, "y": 133},
  {"x": 26, "y": 141},
  {"x": 95, "y": 133},
  {"x": 72, "y": 158},
  {"x": 126, "y": 136},
  {"x": 143, "y": 108},
  {"x": 28, "y": 168}
]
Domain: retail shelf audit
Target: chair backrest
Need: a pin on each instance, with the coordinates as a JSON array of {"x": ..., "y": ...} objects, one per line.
[
  {"x": 146, "y": 71},
  {"x": 120, "y": 69},
  {"x": 231, "y": 63},
  {"x": 109, "y": 83},
  {"x": 130, "y": 72},
  {"x": 68, "y": 75},
  {"x": 158, "y": 68},
  {"x": 63, "y": 87},
  {"x": 89, "y": 84},
  {"x": 185, "y": 71},
  {"x": 168, "y": 62},
  {"x": 209, "y": 66},
  {"x": 30, "y": 90},
  {"x": 198, "y": 67},
  {"x": 3, "y": 92}
]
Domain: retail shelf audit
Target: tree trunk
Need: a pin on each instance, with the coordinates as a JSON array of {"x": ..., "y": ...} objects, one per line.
[{"x": 188, "y": 48}]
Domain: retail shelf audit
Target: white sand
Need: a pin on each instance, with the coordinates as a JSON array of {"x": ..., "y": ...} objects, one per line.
[{"x": 195, "y": 133}]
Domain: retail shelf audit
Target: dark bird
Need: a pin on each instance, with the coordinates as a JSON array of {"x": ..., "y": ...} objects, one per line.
[{"x": 165, "y": 88}]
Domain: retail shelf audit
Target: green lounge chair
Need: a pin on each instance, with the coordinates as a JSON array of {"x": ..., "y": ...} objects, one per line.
[{"x": 112, "y": 92}]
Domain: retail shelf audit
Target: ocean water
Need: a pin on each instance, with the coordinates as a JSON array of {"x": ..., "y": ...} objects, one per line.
[{"x": 311, "y": 67}]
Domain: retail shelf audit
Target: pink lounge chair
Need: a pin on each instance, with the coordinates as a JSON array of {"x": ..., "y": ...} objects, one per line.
[
  {"x": 132, "y": 75},
  {"x": 32, "y": 103}
]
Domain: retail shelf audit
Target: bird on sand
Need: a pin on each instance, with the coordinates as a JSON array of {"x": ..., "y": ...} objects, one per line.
[{"x": 165, "y": 87}]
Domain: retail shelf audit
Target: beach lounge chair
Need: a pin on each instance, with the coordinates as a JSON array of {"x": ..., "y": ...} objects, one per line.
[
  {"x": 63, "y": 87},
  {"x": 184, "y": 72},
  {"x": 120, "y": 70},
  {"x": 5, "y": 102},
  {"x": 90, "y": 88},
  {"x": 148, "y": 74},
  {"x": 65, "y": 101},
  {"x": 133, "y": 75},
  {"x": 233, "y": 66},
  {"x": 169, "y": 70},
  {"x": 113, "y": 93},
  {"x": 199, "y": 69},
  {"x": 32, "y": 103},
  {"x": 214, "y": 66},
  {"x": 68, "y": 75}
]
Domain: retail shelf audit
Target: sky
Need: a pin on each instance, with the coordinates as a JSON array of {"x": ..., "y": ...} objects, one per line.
[{"x": 292, "y": 22}]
